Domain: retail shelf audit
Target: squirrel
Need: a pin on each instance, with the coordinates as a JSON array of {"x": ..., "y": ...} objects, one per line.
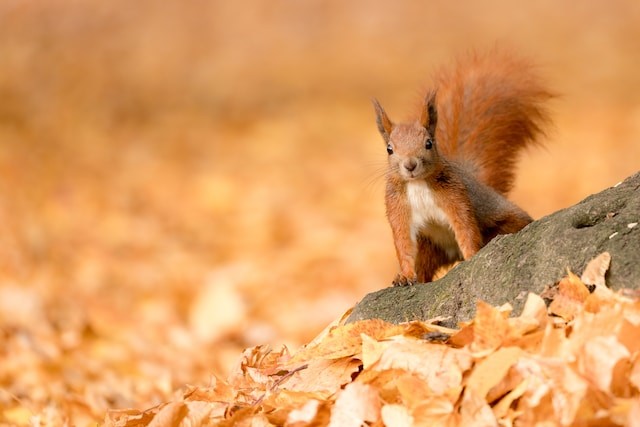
[{"x": 450, "y": 170}]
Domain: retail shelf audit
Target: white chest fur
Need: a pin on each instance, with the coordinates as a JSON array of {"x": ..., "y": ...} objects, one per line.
[{"x": 428, "y": 219}]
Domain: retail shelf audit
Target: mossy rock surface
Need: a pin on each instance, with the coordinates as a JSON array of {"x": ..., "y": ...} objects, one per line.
[{"x": 511, "y": 266}]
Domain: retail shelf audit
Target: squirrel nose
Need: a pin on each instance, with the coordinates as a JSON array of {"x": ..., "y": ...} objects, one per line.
[{"x": 410, "y": 165}]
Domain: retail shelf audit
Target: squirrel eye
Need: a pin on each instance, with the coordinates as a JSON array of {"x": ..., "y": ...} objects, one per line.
[
  {"x": 429, "y": 144},
  {"x": 389, "y": 149}
]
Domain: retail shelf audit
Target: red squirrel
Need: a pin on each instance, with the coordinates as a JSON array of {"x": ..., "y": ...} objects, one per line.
[{"x": 450, "y": 170}]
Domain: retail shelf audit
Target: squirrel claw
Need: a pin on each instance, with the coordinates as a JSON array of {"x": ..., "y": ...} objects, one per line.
[{"x": 401, "y": 280}]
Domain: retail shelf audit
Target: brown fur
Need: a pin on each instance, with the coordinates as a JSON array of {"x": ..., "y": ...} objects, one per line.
[
  {"x": 430, "y": 257},
  {"x": 490, "y": 107},
  {"x": 399, "y": 218},
  {"x": 463, "y": 146}
]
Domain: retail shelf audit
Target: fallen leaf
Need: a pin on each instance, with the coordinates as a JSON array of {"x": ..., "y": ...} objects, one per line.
[
  {"x": 599, "y": 357},
  {"x": 219, "y": 307},
  {"x": 535, "y": 309},
  {"x": 463, "y": 337},
  {"x": 634, "y": 377},
  {"x": 339, "y": 321},
  {"x": 442, "y": 367},
  {"x": 490, "y": 371},
  {"x": 600, "y": 298},
  {"x": 555, "y": 343},
  {"x": 633, "y": 417},
  {"x": 490, "y": 328},
  {"x": 322, "y": 376},
  {"x": 437, "y": 411},
  {"x": 596, "y": 269},
  {"x": 621, "y": 385},
  {"x": 130, "y": 417},
  {"x": 554, "y": 391},
  {"x": 585, "y": 327},
  {"x": 218, "y": 391},
  {"x": 170, "y": 415},
  {"x": 305, "y": 414},
  {"x": 396, "y": 416},
  {"x": 16, "y": 416},
  {"x": 419, "y": 329},
  {"x": 570, "y": 298},
  {"x": 356, "y": 404},
  {"x": 501, "y": 409},
  {"x": 629, "y": 333},
  {"x": 415, "y": 391},
  {"x": 344, "y": 341},
  {"x": 475, "y": 412}
]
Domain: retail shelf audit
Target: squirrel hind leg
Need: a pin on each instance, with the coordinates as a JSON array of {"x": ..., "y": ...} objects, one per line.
[
  {"x": 430, "y": 259},
  {"x": 515, "y": 221}
]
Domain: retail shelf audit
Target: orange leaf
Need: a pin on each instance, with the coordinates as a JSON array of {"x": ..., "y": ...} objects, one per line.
[
  {"x": 489, "y": 372},
  {"x": 490, "y": 328},
  {"x": 345, "y": 341},
  {"x": 396, "y": 416},
  {"x": 572, "y": 293},
  {"x": 321, "y": 375},
  {"x": 441, "y": 366},
  {"x": 474, "y": 411},
  {"x": 599, "y": 357},
  {"x": 356, "y": 404},
  {"x": 596, "y": 269}
]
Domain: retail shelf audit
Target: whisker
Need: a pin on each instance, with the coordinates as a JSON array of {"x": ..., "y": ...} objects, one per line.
[{"x": 377, "y": 175}]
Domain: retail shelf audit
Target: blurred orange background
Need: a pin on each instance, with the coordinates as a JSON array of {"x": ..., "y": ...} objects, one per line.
[{"x": 181, "y": 180}]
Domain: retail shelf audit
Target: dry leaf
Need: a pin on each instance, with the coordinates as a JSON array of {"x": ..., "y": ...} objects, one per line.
[
  {"x": 596, "y": 269},
  {"x": 535, "y": 309},
  {"x": 437, "y": 411},
  {"x": 219, "y": 308},
  {"x": 598, "y": 358},
  {"x": 171, "y": 415},
  {"x": 570, "y": 298},
  {"x": 418, "y": 329},
  {"x": 554, "y": 390},
  {"x": 621, "y": 384},
  {"x": 339, "y": 321},
  {"x": 629, "y": 334},
  {"x": 555, "y": 344},
  {"x": 490, "y": 371},
  {"x": 344, "y": 341},
  {"x": 634, "y": 377},
  {"x": 413, "y": 390},
  {"x": 633, "y": 417},
  {"x": 218, "y": 391},
  {"x": 475, "y": 412},
  {"x": 463, "y": 337},
  {"x": 322, "y": 375},
  {"x": 356, "y": 404},
  {"x": 396, "y": 416},
  {"x": 16, "y": 416},
  {"x": 490, "y": 328},
  {"x": 305, "y": 414},
  {"x": 585, "y": 327},
  {"x": 600, "y": 298},
  {"x": 440, "y": 366},
  {"x": 501, "y": 409}
]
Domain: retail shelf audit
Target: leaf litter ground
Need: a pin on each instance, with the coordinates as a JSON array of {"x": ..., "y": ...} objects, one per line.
[{"x": 575, "y": 362}]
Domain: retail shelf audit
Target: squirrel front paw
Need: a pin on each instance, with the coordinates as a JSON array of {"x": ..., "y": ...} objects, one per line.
[{"x": 402, "y": 280}]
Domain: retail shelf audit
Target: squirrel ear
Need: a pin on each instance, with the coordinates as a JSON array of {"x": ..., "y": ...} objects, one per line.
[
  {"x": 384, "y": 124},
  {"x": 429, "y": 116}
]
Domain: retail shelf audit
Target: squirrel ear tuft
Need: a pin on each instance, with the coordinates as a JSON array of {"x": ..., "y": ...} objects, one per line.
[
  {"x": 384, "y": 124},
  {"x": 429, "y": 116}
]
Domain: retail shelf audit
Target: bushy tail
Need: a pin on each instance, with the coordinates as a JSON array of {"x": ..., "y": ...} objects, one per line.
[{"x": 490, "y": 107}]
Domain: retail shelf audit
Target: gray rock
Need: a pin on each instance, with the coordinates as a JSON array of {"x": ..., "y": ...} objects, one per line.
[{"x": 510, "y": 266}]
